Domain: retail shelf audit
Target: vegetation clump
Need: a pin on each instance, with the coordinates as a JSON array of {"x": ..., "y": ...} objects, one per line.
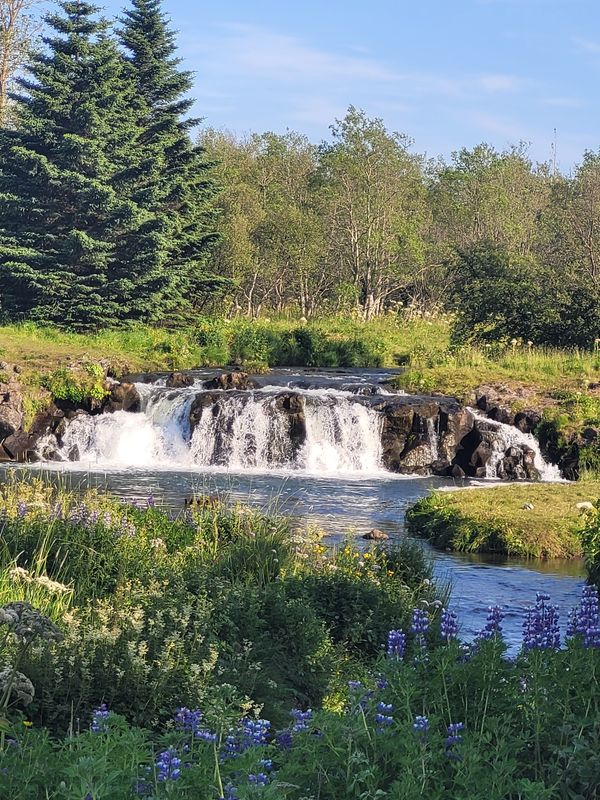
[
  {"x": 532, "y": 521},
  {"x": 430, "y": 718}
]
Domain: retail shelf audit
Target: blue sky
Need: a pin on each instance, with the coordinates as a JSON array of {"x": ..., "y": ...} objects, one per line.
[{"x": 449, "y": 73}]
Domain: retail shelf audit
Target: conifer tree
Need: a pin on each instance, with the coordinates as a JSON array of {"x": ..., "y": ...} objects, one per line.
[
  {"x": 76, "y": 247},
  {"x": 179, "y": 189}
]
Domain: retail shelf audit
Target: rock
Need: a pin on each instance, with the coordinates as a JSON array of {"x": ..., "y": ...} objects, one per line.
[
  {"x": 420, "y": 431},
  {"x": 179, "y": 380},
  {"x": 231, "y": 380},
  {"x": 590, "y": 434},
  {"x": 11, "y": 419},
  {"x": 20, "y": 446},
  {"x": 527, "y": 506},
  {"x": 123, "y": 397},
  {"x": 202, "y": 501},
  {"x": 527, "y": 421},
  {"x": 501, "y": 414},
  {"x": 376, "y": 535},
  {"x": 585, "y": 506}
]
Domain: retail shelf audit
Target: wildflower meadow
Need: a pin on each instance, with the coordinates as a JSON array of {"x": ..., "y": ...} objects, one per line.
[{"x": 218, "y": 656}]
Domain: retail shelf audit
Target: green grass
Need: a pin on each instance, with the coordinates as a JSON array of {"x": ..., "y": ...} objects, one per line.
[{"x": 494, "y": 520}]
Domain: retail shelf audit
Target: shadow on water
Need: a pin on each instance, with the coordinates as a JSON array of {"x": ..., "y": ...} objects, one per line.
[{"x": 347, "y": 507}]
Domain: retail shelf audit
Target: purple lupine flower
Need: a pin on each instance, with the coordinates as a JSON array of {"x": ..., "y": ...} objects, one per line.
[
  {"x": 186, "y": 720},
  {"x": 57, "y": 513},
  {"x": 453, "y": 738},
  {"x": 540, "y": 629},
  {"x": 420, "y": 622},
  {"x": 285, "y": 740},
  {"x": 383, "y": 717},
  {"x": 382, "y": 683},
  {"x": 421, "y": 726},
  {"x": 254, "y": 732},
  {"x": 100, "y": 719},
  {"x": 301, "y": 719},
  {"x": 21, "y": 509},
  {"x": 420, "y": 626},
  {"x": 168, "y": 765},
  {"x": 395, "y": 644},
  {"x": 493, "y": 625},
  {"x": 584, "y": 619},
  {"x": 448, "y": 625},
  {"x": 260, "y": 779},
  {"x": 230, "y": 792},
  {"x": 150, "y": 501}
]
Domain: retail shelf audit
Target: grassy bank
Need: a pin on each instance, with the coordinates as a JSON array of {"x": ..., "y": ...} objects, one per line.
[{"x": 499, "y": 520}]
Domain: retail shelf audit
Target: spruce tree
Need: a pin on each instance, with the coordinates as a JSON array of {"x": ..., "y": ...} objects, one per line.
[
  {"x": 179, "y": 190},
  {"x": 76, "y": 247}
]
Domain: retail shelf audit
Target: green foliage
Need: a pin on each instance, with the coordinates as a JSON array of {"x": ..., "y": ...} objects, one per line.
[
  {"x": 104, "y": 200},
  {"x": 500, "y": 297},
  {"x": 76, "y": 385},
  {"x": 499, "y": 520},
  {"x": 590, "y": 539},
  {"x": 527, "y": 729},
  {"x": 176, "y": 189},
  {"x": 166, "y": 610}
]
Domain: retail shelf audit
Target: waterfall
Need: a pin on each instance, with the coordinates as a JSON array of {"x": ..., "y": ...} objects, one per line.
[
  {"x": 341, "y": 436},
  {"x": 309, "y": 429},
  {"x": 241, "y": 432},
  {"x": 508, "y": 436},
  {"x": 237, "y": 430}
]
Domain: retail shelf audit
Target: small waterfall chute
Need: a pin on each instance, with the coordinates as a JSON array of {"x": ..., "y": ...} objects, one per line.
[{"x": 507, "y": 437}]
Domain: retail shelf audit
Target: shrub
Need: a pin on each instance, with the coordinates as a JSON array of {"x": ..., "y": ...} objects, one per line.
[{"x": 169, "y": 608}]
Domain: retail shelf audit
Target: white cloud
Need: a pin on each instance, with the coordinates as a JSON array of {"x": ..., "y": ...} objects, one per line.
[
  {"x": 251, "y": 52},
  {"x": 499, "y": 83}
]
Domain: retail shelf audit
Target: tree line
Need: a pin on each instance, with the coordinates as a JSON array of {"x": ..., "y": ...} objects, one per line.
[
  {"x": 363, "y": 222},
  {"x": 113, "y": 209}
]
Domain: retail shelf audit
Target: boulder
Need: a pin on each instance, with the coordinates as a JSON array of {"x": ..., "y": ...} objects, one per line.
[
  {"x": 420, "y": 434},
  {"x": 375, "y": 535},
  {"x": 123, "y": 397},
  {"x": 231, "y": 380},
  {"x": 527, "y": 421},
  {"x": 179, "y": 380},
  {"x": 20, "y": 446},
  {"x": 11, "y": 419}
]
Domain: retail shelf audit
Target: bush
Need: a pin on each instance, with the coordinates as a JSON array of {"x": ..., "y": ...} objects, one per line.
[
  {"x": 432, "y": 717},
  {"x": 168, "y": 609}
]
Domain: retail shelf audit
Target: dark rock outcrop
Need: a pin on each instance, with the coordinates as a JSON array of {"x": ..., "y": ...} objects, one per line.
[
  {"x": 179, "y": 380},
  {"x": 232, "y": 380},
  {"x": 421, "y": 434},
  {"x": 123, "y": 397}
]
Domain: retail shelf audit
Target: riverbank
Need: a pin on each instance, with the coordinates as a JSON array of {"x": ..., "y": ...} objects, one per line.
[
  {"x": 531, "y": 521},
  {"x": 553, "y": 393}
]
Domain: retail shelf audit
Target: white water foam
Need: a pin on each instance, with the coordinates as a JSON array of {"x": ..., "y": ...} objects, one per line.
[
  {"x": 242, "y": 431},
  {"x": 509, "y": 436}
]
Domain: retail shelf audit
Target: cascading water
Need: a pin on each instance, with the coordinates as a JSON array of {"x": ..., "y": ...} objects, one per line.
[
  {"x": 341, "y": 436},
  {"x": 239, "y": 430},
  {"x": 298, "y": 428},
  {"x": 508, "y": 436}
]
